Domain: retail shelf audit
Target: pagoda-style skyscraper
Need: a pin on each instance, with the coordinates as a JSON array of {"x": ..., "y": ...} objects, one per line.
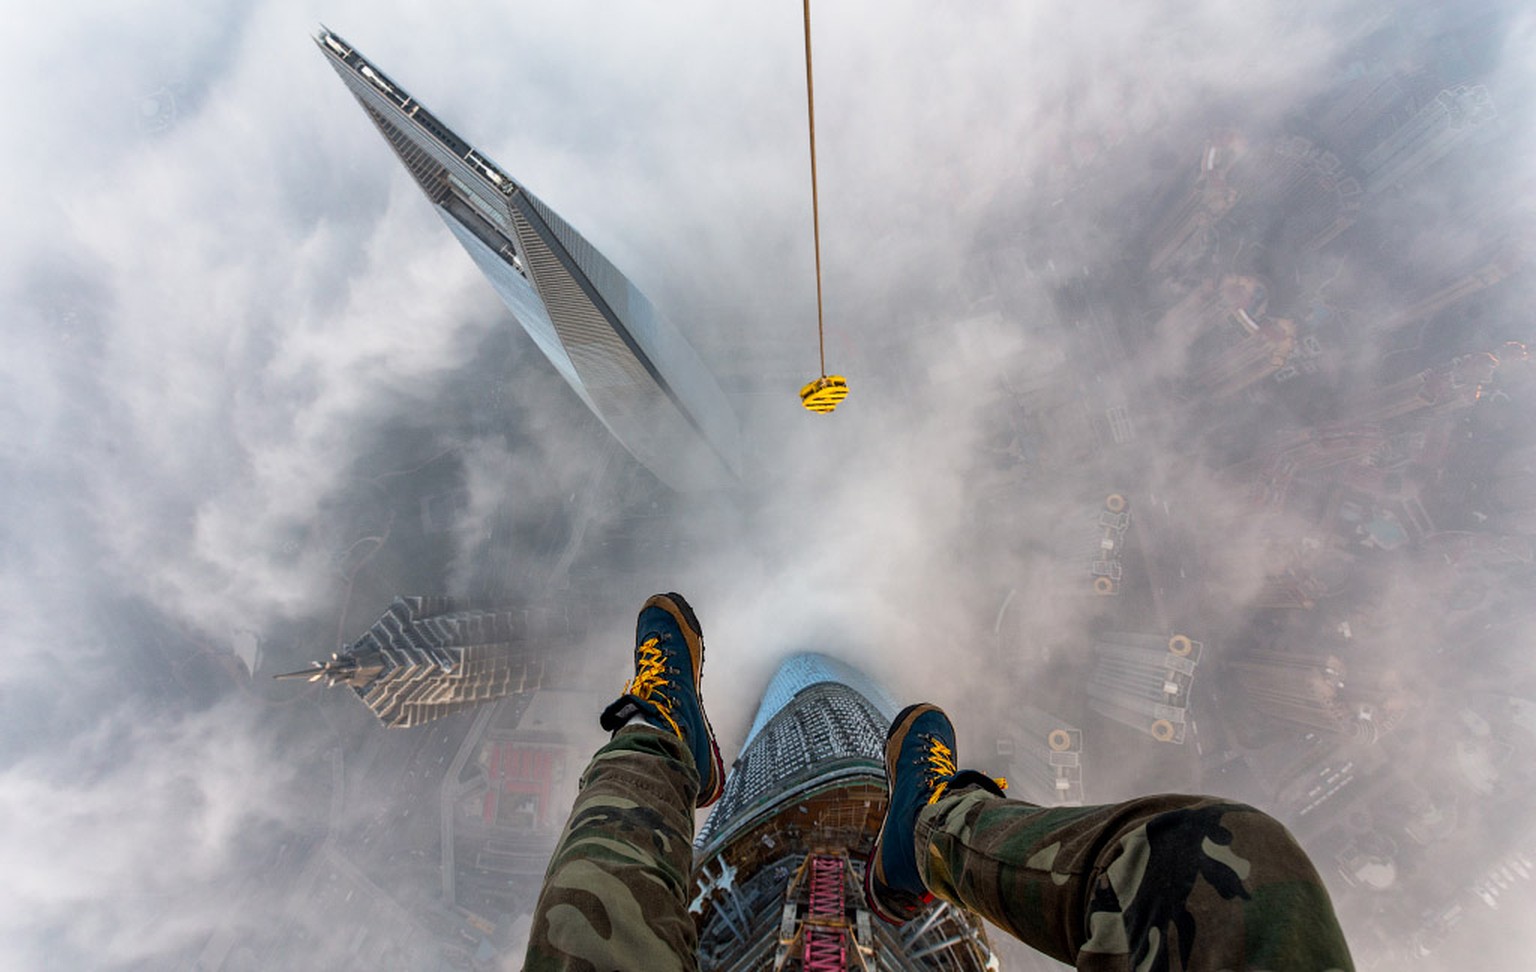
[
  {"x": 779, "y": 864},
  {"x": 630, "y": 366},
  {"x": 428, "y": 657}
]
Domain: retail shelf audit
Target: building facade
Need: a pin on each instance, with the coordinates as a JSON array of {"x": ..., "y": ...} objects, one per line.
[
  {"x": 779, "y": 863},
  {"x": 632, "y": 368}
]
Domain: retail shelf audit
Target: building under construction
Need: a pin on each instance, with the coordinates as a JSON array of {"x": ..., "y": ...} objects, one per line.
[{"x": 779, "y": 864}]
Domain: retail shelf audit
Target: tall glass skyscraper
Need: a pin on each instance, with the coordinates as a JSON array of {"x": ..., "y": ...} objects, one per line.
[
  {"x": 627, "y": 363},
  {"x": 779, "y": 864}
]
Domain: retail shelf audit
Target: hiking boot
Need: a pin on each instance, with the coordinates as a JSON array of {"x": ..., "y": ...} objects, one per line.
[
  {"x": 919, "y": 768},
  {"x": 669, "y": 659}
]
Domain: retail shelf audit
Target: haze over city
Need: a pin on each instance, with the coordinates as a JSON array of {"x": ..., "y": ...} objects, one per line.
[{"x": 1072, "y": 256}]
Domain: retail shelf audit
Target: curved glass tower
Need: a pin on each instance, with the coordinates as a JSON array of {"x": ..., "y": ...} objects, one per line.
[
  {"x": 630, "y": 366},
  {"x": 779, "y": 864}
]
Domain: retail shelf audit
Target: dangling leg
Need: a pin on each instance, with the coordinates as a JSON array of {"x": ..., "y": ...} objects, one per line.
[
  {"x": 1161, "y": 882},
  {"x": 616, "y": 892},
  {"x": 1182, "y": 882},
  {"x": 615, "y": 896}
]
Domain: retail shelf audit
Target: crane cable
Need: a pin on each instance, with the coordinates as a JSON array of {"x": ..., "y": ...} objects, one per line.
[
  {"x": 810, "y": 114},
  {"x": 821, "y": 394}
]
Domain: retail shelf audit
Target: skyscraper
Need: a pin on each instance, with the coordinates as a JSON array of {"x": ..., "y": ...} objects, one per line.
[
  {"x": 1268, "y": 476},
  {"x": 1143, "y": 681},
  {"x": 1299, "y": 688},
  {"x": 779, "y": 863},
  {"x": 1231, "y": 302},
  {"x": 1261, "y": 352},
  {"x": 1433, "y": 132},
  {"x": 428, "y": 657},
  {"x": 1458, "y": 383},
  {"x": 1043, "y": 757},
  {"x": 1178, "y": 235},
  {"x": 1296, "y": 194},
  {"x": 1358, "y": 107},
  {"x": 630, "y": 366},
  {"x": 1508, "y": 258},
  {"x": 1311, "y": 691}
]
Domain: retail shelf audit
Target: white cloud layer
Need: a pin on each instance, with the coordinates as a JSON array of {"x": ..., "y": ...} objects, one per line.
[{"x": 214, "y": 312}]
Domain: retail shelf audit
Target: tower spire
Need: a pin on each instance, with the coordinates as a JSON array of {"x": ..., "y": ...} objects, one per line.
[
  {"x": 312, "y": 673},
  {"x": 342, "y": 667}
]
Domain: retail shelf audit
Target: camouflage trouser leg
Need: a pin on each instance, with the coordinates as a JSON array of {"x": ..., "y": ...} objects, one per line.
[
  {"x": 1162, "y": 882},
  {"x": 616, "y": 893}
]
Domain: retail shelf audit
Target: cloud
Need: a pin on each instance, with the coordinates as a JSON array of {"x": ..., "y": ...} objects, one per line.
[
  {"x": 114, "y": 829},
  {"x": 240, "y": 344}
]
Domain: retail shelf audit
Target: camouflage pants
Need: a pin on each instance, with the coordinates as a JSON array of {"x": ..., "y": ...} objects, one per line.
[
  {"x": 1165, "y": 882},
  {"x": 1157, "y": 883},
  {"x": 616, "y": 893}
]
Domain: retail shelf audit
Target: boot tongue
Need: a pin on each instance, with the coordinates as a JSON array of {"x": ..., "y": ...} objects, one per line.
[
  {"x": 619, "y": 712},
  {"x": 969, "y": 778}
]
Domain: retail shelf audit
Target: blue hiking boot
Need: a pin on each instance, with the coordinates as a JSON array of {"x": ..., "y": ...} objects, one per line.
[
  {"x": 919, "y": 767},
  {"x": 669, "y": 660}
]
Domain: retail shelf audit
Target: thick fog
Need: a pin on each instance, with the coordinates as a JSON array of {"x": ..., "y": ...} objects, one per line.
[{"x": 253, "y": 390}]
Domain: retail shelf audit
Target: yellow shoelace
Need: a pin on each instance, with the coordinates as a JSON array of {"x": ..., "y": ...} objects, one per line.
[
  {"x": 650, "y": 675},
  {"x": 941, "y": 766}
]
